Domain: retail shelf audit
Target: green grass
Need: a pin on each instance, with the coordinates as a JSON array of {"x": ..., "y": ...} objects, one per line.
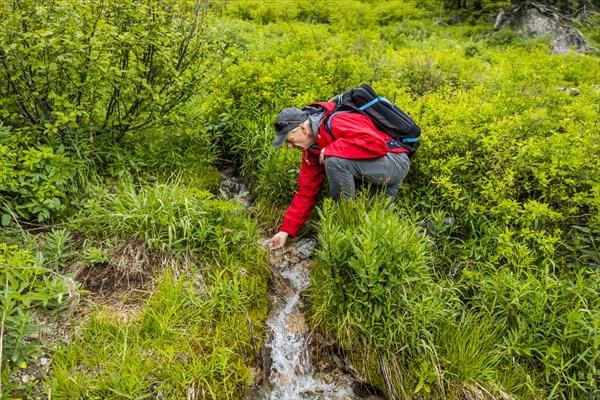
[
  {"x": 172, "y": 217},
  {"x": 189, "y": 340}
]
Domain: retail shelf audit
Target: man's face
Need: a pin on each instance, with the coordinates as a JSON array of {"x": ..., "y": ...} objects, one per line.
[{"x": 300, "y": 138}]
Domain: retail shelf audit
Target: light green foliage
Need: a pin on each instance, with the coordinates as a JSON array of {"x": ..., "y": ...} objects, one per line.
[
  {"x": 27, "y": 288},
  {"x": 346, "y": 15},
  {"x": 517, "y": 160},
  {"x": 193, "y": 339}
]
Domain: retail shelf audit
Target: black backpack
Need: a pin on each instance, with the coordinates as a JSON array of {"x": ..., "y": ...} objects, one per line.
[{"x": 385, "y": 115}]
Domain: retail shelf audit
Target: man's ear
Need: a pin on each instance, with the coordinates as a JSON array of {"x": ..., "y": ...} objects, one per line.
[{"x": 305, "y": 129}]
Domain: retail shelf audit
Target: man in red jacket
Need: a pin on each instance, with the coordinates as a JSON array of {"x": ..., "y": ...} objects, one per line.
[{"x": 354, "y": 151}]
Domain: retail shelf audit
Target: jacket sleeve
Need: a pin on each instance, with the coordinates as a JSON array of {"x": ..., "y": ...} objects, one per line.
[
  {"x": 357, "y": 138},
  {"x": 310, "y": 184}
]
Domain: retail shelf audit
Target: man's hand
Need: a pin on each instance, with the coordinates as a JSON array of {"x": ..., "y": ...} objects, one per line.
[
  {"x": 322, "y": 156},
  {"x": 278, "y": 240}
]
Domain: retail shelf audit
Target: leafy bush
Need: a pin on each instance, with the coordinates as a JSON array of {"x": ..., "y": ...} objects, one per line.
[
  {"x": 373, "y": 287},
  {"x": 399, "y": 33},
  {"x": 27, "y": 288},
  {"x": 548, "y": 322},
  {"x": 78, "y": 71},
  {"x": 35, "y": 182},
  {"x": 508, "y": 37}
]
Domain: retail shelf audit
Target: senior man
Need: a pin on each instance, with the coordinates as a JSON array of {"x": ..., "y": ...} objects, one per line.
[{"x": 351, "y": 152}]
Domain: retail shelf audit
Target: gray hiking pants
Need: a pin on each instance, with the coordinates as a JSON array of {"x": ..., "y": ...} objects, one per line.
[{"x": 385, "y": 173}]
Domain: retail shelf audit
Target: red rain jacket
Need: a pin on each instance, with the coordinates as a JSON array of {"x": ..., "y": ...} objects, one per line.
[{"x": 356, "y": 138}]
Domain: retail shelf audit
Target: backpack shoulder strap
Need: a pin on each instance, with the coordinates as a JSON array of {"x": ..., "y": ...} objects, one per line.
[
  {"x": 341, "y": 107},
  {"x": 328, "y": 121}
]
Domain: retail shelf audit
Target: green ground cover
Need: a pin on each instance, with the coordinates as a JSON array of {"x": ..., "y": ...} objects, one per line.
[{"x": 118, "y": 118}]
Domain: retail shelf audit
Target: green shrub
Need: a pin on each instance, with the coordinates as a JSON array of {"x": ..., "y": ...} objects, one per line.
[
  {"x": 399, "y": 33},
  {"x": 36, "y": 182},
  {"x": 547, "y": 322},
  {"x": 507, "y": 37},
  {"x": 79, "y": 72},
  {"x": 27, "y": 288}
]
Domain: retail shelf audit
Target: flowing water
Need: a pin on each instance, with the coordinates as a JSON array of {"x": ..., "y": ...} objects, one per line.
[{"x": 289, "y": 374}]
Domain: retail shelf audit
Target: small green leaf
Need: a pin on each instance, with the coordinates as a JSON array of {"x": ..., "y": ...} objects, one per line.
[{"x": 5, "y": 219}]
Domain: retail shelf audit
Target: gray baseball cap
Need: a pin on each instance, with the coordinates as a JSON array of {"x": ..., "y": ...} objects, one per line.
[{"x": 288, "y": 119}]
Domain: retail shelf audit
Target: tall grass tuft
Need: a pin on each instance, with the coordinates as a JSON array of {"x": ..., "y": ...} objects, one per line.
[
  {"x": 372, "y": 285},
  {"x": 173, "y": 217}
]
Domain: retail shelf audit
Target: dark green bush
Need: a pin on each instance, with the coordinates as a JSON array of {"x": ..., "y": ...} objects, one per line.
[
  {"x": 508, "y": 37},
  {"x": 79, "y": 71},
  {"x": 36, "y": 182}
]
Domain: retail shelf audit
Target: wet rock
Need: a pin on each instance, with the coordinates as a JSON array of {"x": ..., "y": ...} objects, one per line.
[
  {"x": 297, "y": 324},
  {"x": 233, "y": 187},
  {"x": 282, "y": 266},
  {"x": 304, "y": 248}
]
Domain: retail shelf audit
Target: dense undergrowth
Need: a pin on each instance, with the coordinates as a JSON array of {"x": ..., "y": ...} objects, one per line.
[{"x": 110, "y": 138}]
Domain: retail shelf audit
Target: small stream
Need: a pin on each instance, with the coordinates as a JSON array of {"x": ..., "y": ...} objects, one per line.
[
  {"x": 288, "y": 372},
  {"x": 291, "y": 374}
]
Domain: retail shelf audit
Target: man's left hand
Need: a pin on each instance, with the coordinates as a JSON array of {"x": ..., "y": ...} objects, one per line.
[{"x": 322, "y": 156}]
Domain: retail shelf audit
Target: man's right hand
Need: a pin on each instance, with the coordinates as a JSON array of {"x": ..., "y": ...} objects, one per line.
[{"x": 278, "y": 240}]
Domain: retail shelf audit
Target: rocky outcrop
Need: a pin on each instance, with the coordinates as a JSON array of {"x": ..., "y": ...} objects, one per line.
[{"x": 536, "y": 20}]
